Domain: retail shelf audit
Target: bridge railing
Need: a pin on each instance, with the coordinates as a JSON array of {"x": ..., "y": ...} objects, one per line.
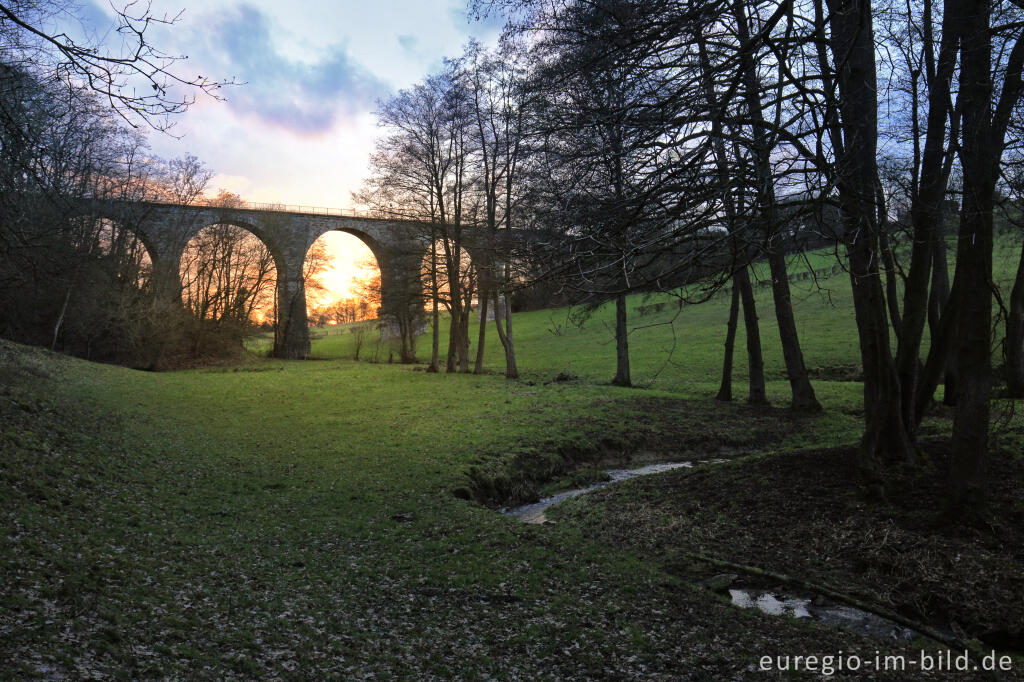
[
  {"x": 203, "y": 202},
  {"x": 288, "y": 208},
  {"x": 312, "y": 210},
  {"x": 307, "y": 210}
]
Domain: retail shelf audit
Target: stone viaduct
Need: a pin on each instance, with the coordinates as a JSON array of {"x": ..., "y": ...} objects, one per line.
[{"x": 288, "y": 232}]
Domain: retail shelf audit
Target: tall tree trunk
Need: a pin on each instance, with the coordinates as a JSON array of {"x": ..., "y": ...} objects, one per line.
[
  {"x": 503, "y": 313},
  {"x": 435, "y": 313},
  {"x": 458, "y": 330},
  {"x": 941, "y": 286},
  {"x": 466, "y": 312},
  {"x": 940, "y": 356},
  {"x": 453, "y": 335},
  {"x": 853, "y": 48},
  {"x": 60, "y": 318},
  {"x": 757, "y": 393},
  {"x": 458, "y": 360},
  {"x": 483, "y": 297},
  {"x": 973, "y": 346},
  {"x": 464, "y": 339},
  {"x": 799, "y": 381},
  {"x": 891, "y": 293},
  {"x": 741, "y": 278},
  {"x": 725, "y": 389},
  {"x": 621, "y": 343},
  {"x": 979, "y": 154},
  {"x": 984, "y": 139},
  {"x": 885, "y": 435},
  {"x": 950, "y": 374},
  {"x": 938, "y": 299},
  {"x": 435, "y": 341},
  {"x": 1015, "y": 335},
  {"x": 926, "y": 218},
  {"x": 767, "y": 215}
]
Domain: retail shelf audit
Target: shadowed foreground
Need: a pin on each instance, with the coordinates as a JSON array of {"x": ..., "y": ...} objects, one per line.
[{"x": 188, "y": 525}]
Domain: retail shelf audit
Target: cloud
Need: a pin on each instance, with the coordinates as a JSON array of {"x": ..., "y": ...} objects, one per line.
[
  {"x": 408, "y": 43},
  {"x": 94, "y": 20},
  {"x": 303, "y": 97},
  {"x": 485, "y": 25}
]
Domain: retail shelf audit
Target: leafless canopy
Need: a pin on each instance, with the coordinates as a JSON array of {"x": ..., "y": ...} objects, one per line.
[{"x": 143, "y": 84}]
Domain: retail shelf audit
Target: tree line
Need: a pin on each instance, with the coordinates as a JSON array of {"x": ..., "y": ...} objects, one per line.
[{"x": 644, "y": 146}]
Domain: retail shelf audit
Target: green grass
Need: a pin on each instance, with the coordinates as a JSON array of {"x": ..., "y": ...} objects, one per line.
[
  {"x": 296, "y": 516},
  {"x": 677, "y": 349},
  {"x": 298, "y": 519}
]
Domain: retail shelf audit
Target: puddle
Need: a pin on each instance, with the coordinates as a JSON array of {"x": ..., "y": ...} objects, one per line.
[
  {"x": 830, "y": 614},
  {"x": 534, "y": 513},
  {"x": 770, "y": 604}
]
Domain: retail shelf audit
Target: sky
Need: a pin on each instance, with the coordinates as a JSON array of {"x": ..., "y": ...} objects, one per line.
[{"x": 299, "y": 126}]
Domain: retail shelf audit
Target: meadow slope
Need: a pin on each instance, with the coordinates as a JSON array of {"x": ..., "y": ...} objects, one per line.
[{"x": 301, "y": 520}]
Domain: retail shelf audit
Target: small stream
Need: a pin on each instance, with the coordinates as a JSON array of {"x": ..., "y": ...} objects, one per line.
[
  {"x": 534, "y": 513},
  {"x": 822, "y": 611},
  {"x": 815, "y": 608}
]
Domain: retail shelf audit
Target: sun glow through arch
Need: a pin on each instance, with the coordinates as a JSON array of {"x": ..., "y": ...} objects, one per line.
[{"x": 347, "y": 282}]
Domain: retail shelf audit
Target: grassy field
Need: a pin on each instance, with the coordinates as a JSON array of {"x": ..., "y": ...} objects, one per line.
[
  {"x": 310, "y": 520},
  {"x": 675, "y": 348}
]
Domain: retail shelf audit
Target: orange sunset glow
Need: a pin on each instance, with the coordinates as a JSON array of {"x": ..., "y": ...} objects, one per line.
[{"x": 348, "y": 262}]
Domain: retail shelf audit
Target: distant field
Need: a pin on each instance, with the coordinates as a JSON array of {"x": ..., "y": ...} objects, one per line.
[
  {"x": 674, "y": 348},
  {"x": 671, "y": 347}
]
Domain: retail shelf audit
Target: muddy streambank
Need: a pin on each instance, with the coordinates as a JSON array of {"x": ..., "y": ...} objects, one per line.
[
  {"x": 804, "y": 514},
  {"x": 648, "y": 431},
  {"x": 811, "y": 606}
]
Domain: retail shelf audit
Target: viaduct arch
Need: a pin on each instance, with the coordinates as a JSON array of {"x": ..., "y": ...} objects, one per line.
[{"x": 398, "y": 245}]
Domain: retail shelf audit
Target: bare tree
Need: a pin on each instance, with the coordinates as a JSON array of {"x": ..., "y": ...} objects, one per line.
[
  {"x": 1013, "y": 350},
  {"x": 419, "y": 171},
  {"x": 65, "y": 108},
  {"x": 228, "y": 280},
  {"x": 137, "y": 81},
  {"x": 72, "y": 278},
  {"x": 928, "y": 185},
  {"x": 986, "y": 116},
  {"x": 790, "y": 108},
  {"x": 607, "y": 170},
  {"x": 185, "y": 181},
  {"x": 734, "y": 202},
  {"x": 499, "y": 105},
  {"x": 762, "y": 144},
  {"x": 228, "y": 275}
]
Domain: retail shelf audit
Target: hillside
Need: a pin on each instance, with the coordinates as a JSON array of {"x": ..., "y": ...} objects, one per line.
[
  {"x": 335, "y": 518},
  {"x": 679, "y": 348}
]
